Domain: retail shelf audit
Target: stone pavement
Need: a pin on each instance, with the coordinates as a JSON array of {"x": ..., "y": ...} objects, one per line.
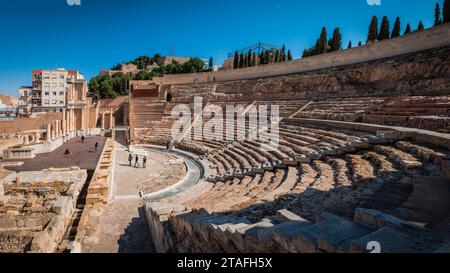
[
  {"x": 123, "y": 225},
  {"x": 123, "y": 229},
  {"x": 83, "y": 155},
  {"x": 163, "y": 170}
]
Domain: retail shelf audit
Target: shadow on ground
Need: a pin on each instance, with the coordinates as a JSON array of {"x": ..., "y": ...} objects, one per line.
[{"x": 136, "y": 238}]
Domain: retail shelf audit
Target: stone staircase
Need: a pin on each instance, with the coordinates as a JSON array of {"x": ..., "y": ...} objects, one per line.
[{"x": 201, "y": 232}]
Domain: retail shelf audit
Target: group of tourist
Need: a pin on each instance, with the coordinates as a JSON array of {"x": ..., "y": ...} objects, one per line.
[{"x": 136, "y": 161}]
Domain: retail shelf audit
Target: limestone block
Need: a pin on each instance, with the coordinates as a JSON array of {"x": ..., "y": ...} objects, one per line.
[
  {"x": 303, "y": 159},
  {"x": 359, "y": 144},
  {"x": 395, "y": 241},
  {"x": 285, "y": 215},
  {"x": 4, "y": 224},
  {"x": 61, "y": 203},
  {"x": 314, "y": 155},
  {"x": 293, "y": 237},
  {"x": 374, "y": 219},
  {"x": 335, "y": 231},
  {"x": 31, "y": 223}
]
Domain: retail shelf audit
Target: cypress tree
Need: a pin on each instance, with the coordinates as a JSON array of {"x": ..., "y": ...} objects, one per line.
[
  {"x": 283, "y": 54},
  {"x": 245, "y": 60},
  {"x": 397, "y": 28},
  {"x": 211, "y": 64},
  {"x": 330, "y": 42},
  {"x": 408, "y": 29},
  {"x": 236, "y": 60},
  {"x": 249, "y": 58},
  {"x": 446, "y": 11},
  {"x": 384, "y": 30},
  {"x": 360, "y": 43},
  {"x": 321, "y": 44},
  {"x": 241, "y": 60},
  {"x": 264, "y": 58},
  {"x": 289, "y": 56},
  {"x": 349, "y": 45},
  {"x": 373, "y": 30},
  {"x": 420, "y": 26},
  {"x": 261, "y": 59},
  {"x": 254, "y": 59},
  {"x": 277, "y": 56},
  {"x": 336, "y": 41},
  {"x": 437, "y": 15}
]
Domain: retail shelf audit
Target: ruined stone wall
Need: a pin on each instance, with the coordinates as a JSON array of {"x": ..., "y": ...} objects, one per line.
[
  {"x": 98, "y": 196},
  {"x": 424, "y": 73},
  {"x": 432, "y": 38},
  {"x": 27, "y": 124},
  {"x": 36, "y": 208}
]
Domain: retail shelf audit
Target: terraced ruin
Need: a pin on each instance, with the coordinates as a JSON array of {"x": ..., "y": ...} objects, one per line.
[{"x": 363, "y": 156}]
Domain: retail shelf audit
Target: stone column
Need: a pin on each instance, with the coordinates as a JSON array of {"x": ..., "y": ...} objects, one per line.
[
  {"x": 53, "y": 130},
  {"x": 63, "y": 125},
  {"x": 83, "y": 119},
  {"x": 103, "y": 119},
  {"x": 68, "y": 121},
  {"x": 48, "y": 132},
  {"x": 111, "y": 123},
  {"x": 36, "y": 137},
  {"x": 71, "y": 119},
  {"x": 74, "y": 119},
  {"x": 56, "y": 128}
]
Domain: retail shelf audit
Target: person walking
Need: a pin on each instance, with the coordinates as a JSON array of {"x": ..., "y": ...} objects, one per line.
[
  {"x": 168, "y": 146},
  {"x": 144, "y": 162},
  {"x": 130, "y": 159},
  {"x": 83, "y": 139},
  {"x": 96, "y": 146},
  {"x": 136, "y": 163}
]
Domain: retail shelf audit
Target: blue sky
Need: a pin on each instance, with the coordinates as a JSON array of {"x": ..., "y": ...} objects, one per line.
[{"x": 45, "y": 34}]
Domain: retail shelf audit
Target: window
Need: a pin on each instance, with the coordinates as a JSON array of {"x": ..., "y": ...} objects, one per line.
[
  {"x": 46, "y": 102},
  {"x": 61, "y": 93},
  {"x": 61, "y": 76},
  {"x": 54, "y": 84},
  {"x": 61, "y": 102},
  {"x": 47, "y": 84},
  {"x": 25, "y": 93},
  {"x": 61, "y": 85},
  {"x": 54, "y": 93},
  {"x": 47, "y": 93}
]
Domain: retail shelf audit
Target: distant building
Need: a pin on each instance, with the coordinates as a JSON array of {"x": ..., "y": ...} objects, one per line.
[
  {"x": 25, "y": 100},
  {"x": 133, "y": 69},
  {"x": 171, "y": 59},
  {"x": 57, "y": 91}
]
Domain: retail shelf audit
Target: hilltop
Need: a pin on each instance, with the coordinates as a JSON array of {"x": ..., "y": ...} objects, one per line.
[{"x": 8, "y": 100}]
